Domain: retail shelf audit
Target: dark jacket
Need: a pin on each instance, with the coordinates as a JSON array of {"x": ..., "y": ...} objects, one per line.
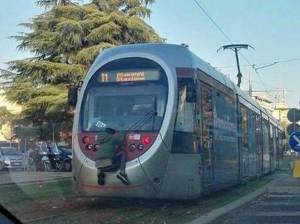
[{"x": 109, "y": 144}]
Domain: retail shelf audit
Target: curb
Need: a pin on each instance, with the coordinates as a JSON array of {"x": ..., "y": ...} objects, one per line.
[{"x": 216, "y": 213}]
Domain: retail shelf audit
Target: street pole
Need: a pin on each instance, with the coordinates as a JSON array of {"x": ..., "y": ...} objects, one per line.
[
  {"x": 53, "y": 134},
  {"x": 236, "y": 48}
]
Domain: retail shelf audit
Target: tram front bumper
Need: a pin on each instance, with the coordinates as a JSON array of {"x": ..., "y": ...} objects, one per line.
[{"x": 86, "y": 184}]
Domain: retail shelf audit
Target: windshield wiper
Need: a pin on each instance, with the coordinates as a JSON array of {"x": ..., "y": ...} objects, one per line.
[
  {"x": 151, "y": 114},
  {"x": 141, "y": 122}
]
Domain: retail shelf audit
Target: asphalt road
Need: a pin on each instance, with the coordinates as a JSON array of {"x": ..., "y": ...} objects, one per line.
[
  {"x": 20, "y": 177},
  {"x": 280, "y": 205}
]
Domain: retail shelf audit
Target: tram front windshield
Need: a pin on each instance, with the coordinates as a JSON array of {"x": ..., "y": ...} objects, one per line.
[{"x": 126, "y": 104}]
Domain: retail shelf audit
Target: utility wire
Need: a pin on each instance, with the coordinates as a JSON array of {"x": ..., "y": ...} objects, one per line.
[
  {"x": 267, "y": 64},
  {"x": 229, "y": 39},
  {"x": 213, "y": 21}
]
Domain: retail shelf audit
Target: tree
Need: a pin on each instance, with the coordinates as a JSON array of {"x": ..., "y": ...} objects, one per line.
[
  {"x": 5, "y": 116},
  {"x": 51, "y": 3},
  {"x": 65, "y": 41}
]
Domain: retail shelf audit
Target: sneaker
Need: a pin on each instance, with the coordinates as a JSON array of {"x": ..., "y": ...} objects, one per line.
[
  {"x": 101, "y": 181},
  {"x": 123, "y": 178},
  {"x": 101, "y": 178}
]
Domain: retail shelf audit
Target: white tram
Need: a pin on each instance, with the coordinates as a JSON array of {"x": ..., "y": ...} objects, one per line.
[{"x": 189, "y": 130}]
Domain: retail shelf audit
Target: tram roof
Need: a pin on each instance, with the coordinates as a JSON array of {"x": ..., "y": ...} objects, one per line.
[{"x": 179, "y": 56}]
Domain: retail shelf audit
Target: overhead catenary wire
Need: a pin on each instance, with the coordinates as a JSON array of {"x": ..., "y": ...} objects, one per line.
[
  {"x": 260, "y": 64},
  {"x": 228, "y": 39},
  {"x": 213, "y": 21}
]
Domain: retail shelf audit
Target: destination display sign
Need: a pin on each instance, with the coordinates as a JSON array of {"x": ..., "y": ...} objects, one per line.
[{"x": 128, "y": 76}]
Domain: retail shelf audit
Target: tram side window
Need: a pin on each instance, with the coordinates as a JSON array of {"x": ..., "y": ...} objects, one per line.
[
  {"x": 251, "y": 131},
  {"x": 258, "y": 133},
  {"x": 225, "y": 109},
  {"x": 185, "y": 111},
  {"x": 272, "y": 139},
  {"x": 276, "y": 140},
  {"x": 266, "y": 130},
  {"x": 244, "y": 127},
  {"x": 184, "y": 139},
  {"x": 207, "y": 120}
]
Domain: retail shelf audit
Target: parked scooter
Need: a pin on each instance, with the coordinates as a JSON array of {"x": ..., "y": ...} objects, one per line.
[
  {"x": 61, "y": 160},
  {"x": 37, "y": 161},
  {"x": 66, "y": 158},
  {"x": 49, "y": 157}
]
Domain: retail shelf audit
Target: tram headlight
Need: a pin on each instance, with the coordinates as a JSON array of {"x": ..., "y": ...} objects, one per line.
[
  {"x": 90, "y": 147},
  {"x": 96, "y": 147},
  {"x": 136, "y": 144},
  {"x": 132, "y": 147},
  {"x": 86, "y": 140},
  {"x": 140, "y": 147}
]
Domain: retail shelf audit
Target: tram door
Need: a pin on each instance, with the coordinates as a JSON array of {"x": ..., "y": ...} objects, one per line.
[{"x": 205, "y": 129}]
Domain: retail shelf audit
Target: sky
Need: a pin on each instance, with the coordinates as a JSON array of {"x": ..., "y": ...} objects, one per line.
[{"x": 272, "y": 27}]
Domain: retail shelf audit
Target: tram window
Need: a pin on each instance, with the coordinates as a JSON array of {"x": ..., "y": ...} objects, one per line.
[
  {"x": 266, "y": 130},
  {"x": 225, "y": 109},
  {"x": 110, "y": 106},
  {"x": 258, "y": 132},
  {"x": 207, "y": 120},
  {"x": 276, "y": 139},
  {"x": 185, "y": 110},
  {"x": 251, "y": 131},
  {"x": 244, "y": 127},
  {"x": 271, "y": 134},
  {"x": 184, "y": 138},
  {"x": 272, "y": 139}
]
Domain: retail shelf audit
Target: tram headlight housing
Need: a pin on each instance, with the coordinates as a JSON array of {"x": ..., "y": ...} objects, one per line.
[{"x": 136, "y": 144}]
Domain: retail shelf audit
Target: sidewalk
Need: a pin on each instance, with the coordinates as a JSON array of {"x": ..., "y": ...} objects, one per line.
[{"x": 279, "y": 204}]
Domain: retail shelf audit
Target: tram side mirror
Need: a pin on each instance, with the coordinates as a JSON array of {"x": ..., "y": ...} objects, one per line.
[
  {"x": 72, "y": 95},
  {"x": 191, "y": 93}
]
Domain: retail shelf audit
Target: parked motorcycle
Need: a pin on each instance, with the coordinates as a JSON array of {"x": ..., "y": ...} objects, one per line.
[
  {"x": 55, "y": 159},
  {"x": 37, "y": 161},
  {"x": 62, "y": 161}
]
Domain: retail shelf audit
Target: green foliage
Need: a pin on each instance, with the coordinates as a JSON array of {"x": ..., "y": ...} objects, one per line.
[
  {"x": 5, "y": 116},
  {"x": 65, "y": 40},
  {"x": 50, "y": 3}
]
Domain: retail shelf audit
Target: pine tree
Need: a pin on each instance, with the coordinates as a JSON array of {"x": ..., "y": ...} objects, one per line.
[
  {"x": 5, "y": 116},
  {"x": 65, "y": 41},
  {"x": 51, "y": 3}
]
